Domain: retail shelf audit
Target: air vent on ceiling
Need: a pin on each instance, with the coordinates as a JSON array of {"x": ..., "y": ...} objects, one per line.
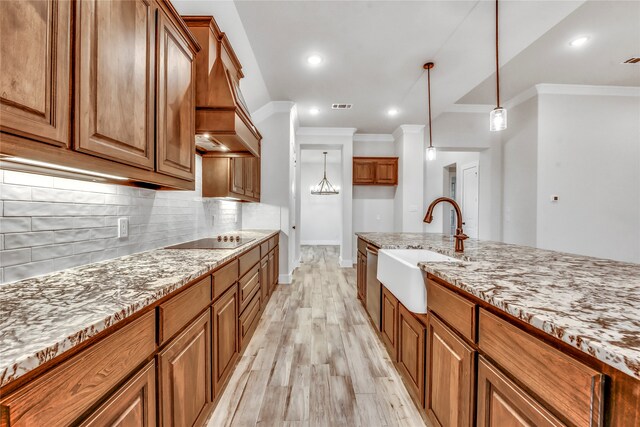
[
  {"x": 341, "y": 106},
  {"x": 632, "y": 60}
]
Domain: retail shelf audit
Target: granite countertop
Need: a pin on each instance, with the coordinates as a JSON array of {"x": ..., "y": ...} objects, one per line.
[
  {"x": 589, "y": 303},
  {"x": 42, "y": 317}
]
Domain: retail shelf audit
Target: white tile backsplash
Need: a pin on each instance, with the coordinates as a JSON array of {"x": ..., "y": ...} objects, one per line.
[{"x": 50, "y": 224}]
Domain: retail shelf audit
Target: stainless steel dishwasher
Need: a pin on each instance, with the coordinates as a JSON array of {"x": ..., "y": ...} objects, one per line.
[{"x": 374, "y": 290}]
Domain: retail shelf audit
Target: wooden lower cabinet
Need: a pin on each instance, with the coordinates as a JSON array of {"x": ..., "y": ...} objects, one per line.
[
  {"x": 503, "y": 403},
  {"x": 225, "y": 337},
  {"x": 450, "y": 377},
  {"x": 411, "y": 353},
  {"x": 248, "y": 321},
  {"x": 362, "y": 276},
  {"x": 185, "y": 375},
  {"x": 389, "y": 327},
  {"x": 264, "y": 281},
  {"x": 133, "y": 405}
]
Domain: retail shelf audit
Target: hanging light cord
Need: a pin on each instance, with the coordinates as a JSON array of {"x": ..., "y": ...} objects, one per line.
[
  {"x": 429, "y": 102},
  {"x": 497, "y": 61},
  {"x": 325, "y": 165}
]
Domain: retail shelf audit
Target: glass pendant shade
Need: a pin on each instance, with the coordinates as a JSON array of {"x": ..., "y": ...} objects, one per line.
[
  {"x": 431, "y": 153},
  {"x": 498, "y": 119}
]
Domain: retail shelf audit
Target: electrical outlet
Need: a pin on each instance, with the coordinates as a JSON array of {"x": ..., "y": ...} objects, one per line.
[{"x": 123, "y": 227}]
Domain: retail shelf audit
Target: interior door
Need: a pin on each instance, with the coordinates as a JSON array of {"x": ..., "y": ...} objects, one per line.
[{"x": 469, "y": 196}]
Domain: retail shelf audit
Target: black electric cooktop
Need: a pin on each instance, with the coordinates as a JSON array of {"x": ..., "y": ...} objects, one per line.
[{"x": 220, "y": 242}]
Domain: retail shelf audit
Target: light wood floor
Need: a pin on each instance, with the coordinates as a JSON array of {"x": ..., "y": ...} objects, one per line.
[{"x": 315, "y": 360}]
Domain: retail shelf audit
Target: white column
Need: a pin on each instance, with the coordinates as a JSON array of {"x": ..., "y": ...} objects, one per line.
[{"x": 408, "y": 202}]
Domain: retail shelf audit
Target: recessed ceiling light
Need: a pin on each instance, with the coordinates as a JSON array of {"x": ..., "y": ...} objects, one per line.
[
  {"x": 579, "y": 41},
  {"x": 314, "y": 111},
  {"x": 314, "y": 60},
  {"x": 392, "y": 112}
]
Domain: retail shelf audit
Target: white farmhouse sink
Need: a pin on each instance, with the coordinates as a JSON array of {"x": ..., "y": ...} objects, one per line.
[{"x": 398, "y": 271}]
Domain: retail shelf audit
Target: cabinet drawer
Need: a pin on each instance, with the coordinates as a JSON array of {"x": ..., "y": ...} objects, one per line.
[
  {"x": 249, "y": 320},
  {"x": 362, "y": 246},
  {"x": 249, "y": 285},
  {"x": 273, "y": 242},
  {"x": 453, "y": 309},
  {"x": 572, "y": 389},
  {"x": 249, "y": 259},
  {"x": 264, "y": 248},
  {"x": 224, "y": 278},
  {"x": 181, "y": 309},
  {"x": 64, "y": 393}
]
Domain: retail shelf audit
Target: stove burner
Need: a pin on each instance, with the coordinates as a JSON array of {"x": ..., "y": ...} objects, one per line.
[{"x": 219, "y": 242}]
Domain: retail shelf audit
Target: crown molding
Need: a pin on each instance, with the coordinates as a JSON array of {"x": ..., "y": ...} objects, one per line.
[
  {"x": 407, "y": 129},
  {"x": 566, "y": 89},
  {"x": 271, "y": 108},
  {"x": 326, "y": 131},
  {"x": 373, "y": 137},
  {"x": 469, "y": 108}
]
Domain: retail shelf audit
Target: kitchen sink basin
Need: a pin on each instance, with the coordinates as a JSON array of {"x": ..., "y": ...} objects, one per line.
[{"x": 398, "y": 271}]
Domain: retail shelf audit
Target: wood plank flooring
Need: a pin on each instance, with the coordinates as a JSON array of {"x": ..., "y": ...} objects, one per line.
[{"x": 315, "y": 360}]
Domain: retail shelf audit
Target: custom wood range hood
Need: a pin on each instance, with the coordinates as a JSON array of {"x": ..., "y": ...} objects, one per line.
[{"x": 223, "y": 122}]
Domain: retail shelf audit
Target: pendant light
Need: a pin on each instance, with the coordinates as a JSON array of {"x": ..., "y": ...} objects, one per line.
[
  {"x": 324, "y": 187},
  {"x": 431, "y": 150},
  {"x": 498, "y": 116}
]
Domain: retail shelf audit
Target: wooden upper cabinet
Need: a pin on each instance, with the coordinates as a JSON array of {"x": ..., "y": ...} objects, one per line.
[
  {"x": 387, "y": 172},
  {"x": 248, "y": 176},
  {"x": 35, "y": 69},
  {"x": 450, "y": 368},
  {"x": 375, "y": 171},
  {"x": 503, "y": 403},
  {"x": 176, "y": 101},
  {"x": 115, "y": 80},
  {"x": 237, "y": 175},
  {"x": 364, "y": 171},
  {"x": 133, "y": 405},
  {"x": 256, "y": 177},
  {"x": 185, "y": 375}
]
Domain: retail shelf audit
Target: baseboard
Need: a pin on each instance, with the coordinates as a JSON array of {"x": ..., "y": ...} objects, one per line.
[
  {"x": 346, "y": 263},
  {"x": 284, "y": 279},
  {"x": 320, "y": 242}
]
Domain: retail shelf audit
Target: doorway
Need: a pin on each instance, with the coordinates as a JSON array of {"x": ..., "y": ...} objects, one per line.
[{"x": 469, "y": 198}]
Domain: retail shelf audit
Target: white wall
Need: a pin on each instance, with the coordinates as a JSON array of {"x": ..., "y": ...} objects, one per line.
[
  {"x": 321, "y": 216},
  {"x": 273, "y": 211},
  {"x": 520, "y": 169},
  {"x": 409, "y": 197},
  {"x": 50, "y": 224},
  {"x": 372, "y": 205},
  {"x": 435, "y": 184},
  {"x": 589, "y": 155}
]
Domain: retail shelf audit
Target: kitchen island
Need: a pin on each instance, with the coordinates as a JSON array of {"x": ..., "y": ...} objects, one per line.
[
  {"x": 79, "y": 345},
  {"x": 587, "y": 310}
]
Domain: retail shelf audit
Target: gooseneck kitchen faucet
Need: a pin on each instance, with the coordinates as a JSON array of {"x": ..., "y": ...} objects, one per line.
[{"x": 459, "y": 236}]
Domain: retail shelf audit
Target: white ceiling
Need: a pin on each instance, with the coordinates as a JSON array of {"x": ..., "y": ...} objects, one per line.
[
  {"x": 374, "y": 51},
  {"x": 613, "y": 28}
]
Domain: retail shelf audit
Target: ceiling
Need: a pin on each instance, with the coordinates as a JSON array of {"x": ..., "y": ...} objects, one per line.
[
  {"x": 373, "y": 53},
  {"x": 613, "y": 28}
]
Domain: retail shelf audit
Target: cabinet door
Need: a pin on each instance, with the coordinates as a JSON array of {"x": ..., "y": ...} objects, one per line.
[
  {"x": 176, "y": 102},
  {"x": 185, "y": 375},
  {"x": 236, "y": 180},
  {"x": 256, "y": 177},
  {"x": 225, "y": 337},
  {"x": 450, "y": 367},
  {"x": 248, "y": 176},
  {"x": 264, "y": 281},
  {"x": 115, "y": 66},
  {"x": 390, "y": 323},
  {"x": 364, "y": 171},
  {"x": 133, "y": 405},
  {"x": 35, "y": 69},
  {"x": 411, "y": 339},
  {"x": 502, "y": 403},
  {"x": 387, "y": 172}
]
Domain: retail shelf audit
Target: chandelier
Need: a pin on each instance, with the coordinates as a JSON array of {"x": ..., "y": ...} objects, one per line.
[{"x": 324, "y": 187}]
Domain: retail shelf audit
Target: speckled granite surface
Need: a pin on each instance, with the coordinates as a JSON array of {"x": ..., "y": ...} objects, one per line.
[
  {"x": 42, "y": 317},
  {"x": 592, "y": 304}
]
